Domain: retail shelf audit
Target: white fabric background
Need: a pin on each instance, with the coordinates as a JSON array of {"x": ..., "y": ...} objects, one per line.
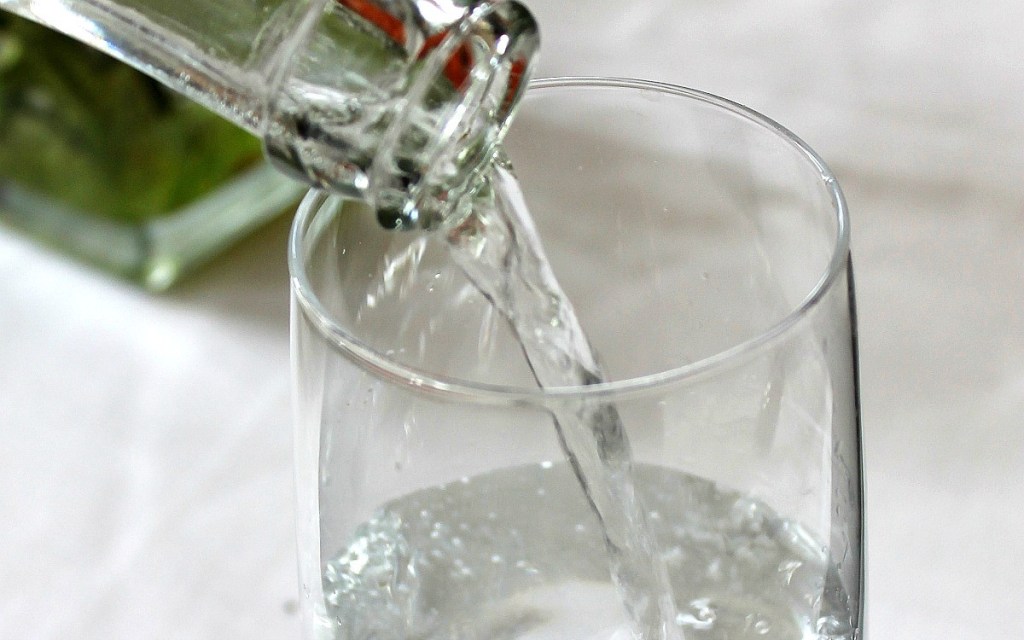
[{"x": 145, "y": 447}]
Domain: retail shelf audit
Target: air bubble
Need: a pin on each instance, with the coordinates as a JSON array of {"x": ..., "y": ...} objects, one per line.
[
  {"x": 700, "y": 617},
  {"x": 762, "y": 626}
]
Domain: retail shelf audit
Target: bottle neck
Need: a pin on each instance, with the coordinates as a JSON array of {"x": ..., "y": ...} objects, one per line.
[
  {"x": 209, "y": 51},
  {"x": 395, "y": 102},
  {"x": 399, "y": 104}
]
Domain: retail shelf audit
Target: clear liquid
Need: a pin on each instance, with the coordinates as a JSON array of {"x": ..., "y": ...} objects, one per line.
[
  {"x": 520, "y": 554},
  {"x": 640, "y": 579},
  {"x": 593, "y": 547},
  {"x": 497, "y": 246}
]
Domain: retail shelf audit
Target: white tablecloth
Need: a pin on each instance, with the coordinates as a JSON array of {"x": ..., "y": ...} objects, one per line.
[{"x": 145, "y": 446}]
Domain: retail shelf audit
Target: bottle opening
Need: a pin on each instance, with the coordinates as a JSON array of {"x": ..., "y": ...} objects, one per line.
[
  {"x": 455, "y": 114},
  {"x": 400, "y": 104}
]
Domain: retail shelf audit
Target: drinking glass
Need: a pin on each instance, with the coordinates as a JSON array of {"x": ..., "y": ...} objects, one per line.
[{"x": 705, "y": 250}]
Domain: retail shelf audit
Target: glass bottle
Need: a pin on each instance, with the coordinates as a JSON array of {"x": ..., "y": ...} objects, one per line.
[{"x": 394, "y": 102}]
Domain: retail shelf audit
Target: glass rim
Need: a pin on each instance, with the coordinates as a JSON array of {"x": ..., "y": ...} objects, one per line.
[{"x": 384, "y": 367}]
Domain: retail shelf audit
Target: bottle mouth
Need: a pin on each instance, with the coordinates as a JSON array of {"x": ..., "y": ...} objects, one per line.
[
  {"x": 454, "y": 115},
  {"x": 398, "y": 103}
]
